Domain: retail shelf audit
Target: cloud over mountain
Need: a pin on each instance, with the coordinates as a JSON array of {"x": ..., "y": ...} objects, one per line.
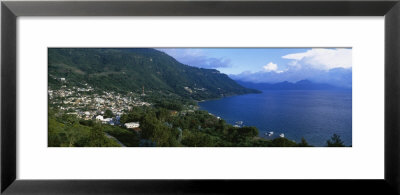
[
  {"x": 322, "y": 59},
  {"x": 195, "y": 57},
  {"x": 272, "y": 67},
  {"x": 331, "y": 66}
]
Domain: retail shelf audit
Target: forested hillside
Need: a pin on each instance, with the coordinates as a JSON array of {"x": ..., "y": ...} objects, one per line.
[{"x": 130, "y": 70}]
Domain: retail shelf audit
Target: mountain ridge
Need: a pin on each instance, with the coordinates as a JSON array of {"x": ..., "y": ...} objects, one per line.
[
  {"x": 285, "y": 85},
  {"x": 132, "y": 69}
]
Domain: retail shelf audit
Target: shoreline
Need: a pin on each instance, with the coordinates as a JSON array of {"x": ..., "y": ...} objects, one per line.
[
  {"x": 316, "y": 137},
  {"x": 211, "y": 99}
]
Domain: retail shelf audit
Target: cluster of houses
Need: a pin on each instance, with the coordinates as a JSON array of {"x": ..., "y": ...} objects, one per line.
[{"x": 86, "y": 104}]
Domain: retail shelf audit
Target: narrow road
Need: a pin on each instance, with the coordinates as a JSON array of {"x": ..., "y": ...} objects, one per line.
[{"x": 112, "y": 137}]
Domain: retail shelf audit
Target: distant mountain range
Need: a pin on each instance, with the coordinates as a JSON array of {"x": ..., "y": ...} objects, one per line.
[
  {"x": 129, "y": 70},
  {"x": 300, "y": 85}
]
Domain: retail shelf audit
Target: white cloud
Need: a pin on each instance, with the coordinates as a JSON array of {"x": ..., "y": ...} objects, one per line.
[
  {"x": 272, "y": 67},
  {"x": 322, "y": 59}
]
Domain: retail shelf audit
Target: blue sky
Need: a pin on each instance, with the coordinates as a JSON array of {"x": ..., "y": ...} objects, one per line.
[{"x": 271, "y": 65}]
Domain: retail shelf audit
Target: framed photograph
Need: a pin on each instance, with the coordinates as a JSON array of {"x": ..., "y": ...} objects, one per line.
[
  {"x": 142, "y": 97},
  {"x": 120, "y": 97}
]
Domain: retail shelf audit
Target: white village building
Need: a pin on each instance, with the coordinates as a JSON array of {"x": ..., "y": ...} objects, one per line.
[
  {"x": 99, "y": 117},
  {"x": 106, "y": 120},
  {"x": 132, "y": 125}
]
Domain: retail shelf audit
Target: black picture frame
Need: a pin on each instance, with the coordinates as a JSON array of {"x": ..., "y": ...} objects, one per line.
[{"x": 10, "y": 10}]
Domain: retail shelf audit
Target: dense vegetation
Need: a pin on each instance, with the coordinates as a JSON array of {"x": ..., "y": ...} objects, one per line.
[
  {"x": 165, "y": 128},
  {"x": 66, "y": 131},
  {"x": 129, "y": 70}
]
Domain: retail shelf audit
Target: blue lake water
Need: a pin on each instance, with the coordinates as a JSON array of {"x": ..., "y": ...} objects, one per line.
[{"x": 313, "y": 114}]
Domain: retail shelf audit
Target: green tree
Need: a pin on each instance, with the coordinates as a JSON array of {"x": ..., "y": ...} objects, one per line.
[
  {"x": 108, "y": 114},
  {"x": 148, "y": 125},
  {"x": 283, "y": 142},
  {"x": 98, "y": 139},
  {"x": 134, "y": 115},
  {"x": 335, "y": 141},
  {"x": 55, "y": 129},
  {"x": 197, "y": 139},
  {"x": 96, "y": 136},
  {"x": 239, "y": 135},
  {"x": 162, "y": 114},
  {"x": 164, "y": 136},
  {"x": 128, "y": 137},
  {"x": 303, "y": 143}
]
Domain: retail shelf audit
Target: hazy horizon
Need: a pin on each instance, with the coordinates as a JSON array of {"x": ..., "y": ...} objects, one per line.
[{"x": 272, "y": 65}]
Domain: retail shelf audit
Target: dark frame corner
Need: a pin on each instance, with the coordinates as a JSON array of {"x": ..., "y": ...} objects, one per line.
[{"x": 10, "y": 10}]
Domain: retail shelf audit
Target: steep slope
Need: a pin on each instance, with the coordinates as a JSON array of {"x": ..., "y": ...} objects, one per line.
[{"x": 125, "y": 70}]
